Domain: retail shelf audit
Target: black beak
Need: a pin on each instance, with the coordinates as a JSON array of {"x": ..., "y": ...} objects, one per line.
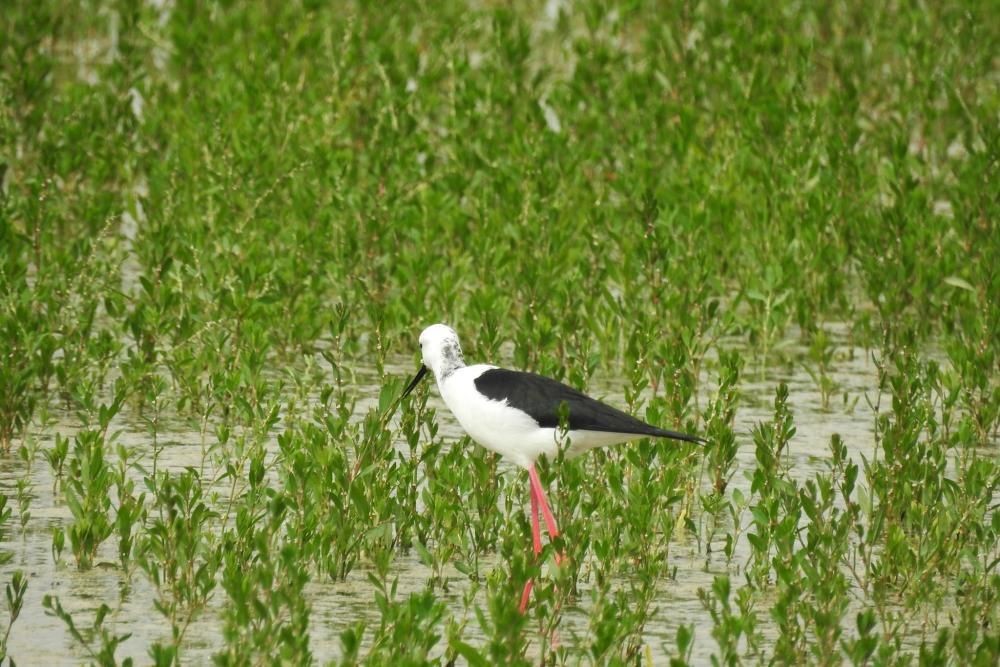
[{"x": 414, "y": 382}]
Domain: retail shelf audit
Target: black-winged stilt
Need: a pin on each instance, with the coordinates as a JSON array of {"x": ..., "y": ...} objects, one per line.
[{"x": 516, "y": 415}]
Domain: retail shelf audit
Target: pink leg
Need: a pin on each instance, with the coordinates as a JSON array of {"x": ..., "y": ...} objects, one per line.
[
  {"x": 525, "y": 596},
  {"x": 536, "y": 530},
  {"x": 538, "y": 501},
  {"x": 550, "y": 520},
  {"x": 536, "y": 537}
]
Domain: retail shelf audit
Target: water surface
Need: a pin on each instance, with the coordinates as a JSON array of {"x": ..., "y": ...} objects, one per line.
[{"x": 37, "y": 638}]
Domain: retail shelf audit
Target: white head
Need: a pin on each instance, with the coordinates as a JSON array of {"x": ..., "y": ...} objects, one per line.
[
  {"x": 440, "y": 354},
  {"x": 440, "y": 350}
]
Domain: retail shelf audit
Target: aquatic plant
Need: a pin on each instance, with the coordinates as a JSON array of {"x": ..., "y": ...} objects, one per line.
[{"x": 222, "y": 228}]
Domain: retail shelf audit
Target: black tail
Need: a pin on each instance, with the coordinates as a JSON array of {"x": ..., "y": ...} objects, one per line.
[{"x": 674, "y": 435}]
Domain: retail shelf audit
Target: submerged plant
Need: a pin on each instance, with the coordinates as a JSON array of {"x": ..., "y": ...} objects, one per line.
[{"x": 97, "y": 641}]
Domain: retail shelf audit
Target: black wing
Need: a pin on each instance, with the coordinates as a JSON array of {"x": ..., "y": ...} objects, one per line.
[{"x": 541, "y": 397}]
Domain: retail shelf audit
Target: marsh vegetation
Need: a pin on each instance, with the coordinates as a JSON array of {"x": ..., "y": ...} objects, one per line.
[{"x": 223, "y": 225}]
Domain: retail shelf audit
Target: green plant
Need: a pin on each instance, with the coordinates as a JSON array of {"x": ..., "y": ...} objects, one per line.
[
  {"x": 88, "y": 495},
  {"x": 176, "y": 550},
  {"x": 15, "y": 591},
  {"x": 99, "y": 643},
  {"x": 221, "y": 231}
]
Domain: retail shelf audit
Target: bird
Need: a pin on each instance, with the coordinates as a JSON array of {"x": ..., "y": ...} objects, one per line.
[{"x": 517, "y": 415}]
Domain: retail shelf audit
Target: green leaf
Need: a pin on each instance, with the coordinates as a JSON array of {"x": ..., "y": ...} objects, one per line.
[
  {"x": 424, "y": 554},
  {"x": 955, "y": 281},
  {"x": 471, "y": 654}
]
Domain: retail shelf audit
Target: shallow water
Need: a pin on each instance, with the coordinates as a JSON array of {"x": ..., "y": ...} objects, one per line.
[{"x": 40, "y": 639}]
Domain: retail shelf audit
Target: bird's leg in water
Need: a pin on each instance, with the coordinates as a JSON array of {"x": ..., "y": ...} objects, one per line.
[
  {"x": 538, "y": 501},
  {"x": 550, "y": 520},
  {"x": 536, "y": 537}
]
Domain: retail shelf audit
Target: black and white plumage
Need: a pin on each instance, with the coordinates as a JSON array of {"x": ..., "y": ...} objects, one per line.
[{"x": 515, "y": 413}]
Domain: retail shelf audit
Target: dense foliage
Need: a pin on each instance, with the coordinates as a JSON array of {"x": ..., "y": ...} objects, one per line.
[{"x": 223, "y": 225}]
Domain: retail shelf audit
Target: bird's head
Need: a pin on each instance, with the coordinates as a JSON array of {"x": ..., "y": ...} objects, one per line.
[{"x": 440, "y": 353}]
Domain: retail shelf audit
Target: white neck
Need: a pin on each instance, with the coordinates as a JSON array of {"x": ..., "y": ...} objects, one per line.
[{"x": 449, "y": 359}]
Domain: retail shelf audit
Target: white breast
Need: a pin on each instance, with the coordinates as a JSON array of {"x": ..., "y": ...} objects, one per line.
[{"x": 502, "y": 429}]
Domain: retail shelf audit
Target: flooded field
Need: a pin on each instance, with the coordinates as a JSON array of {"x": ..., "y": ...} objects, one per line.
[
  {"x": 337, "y": 605},
  {"x": 773, "y": 225}
]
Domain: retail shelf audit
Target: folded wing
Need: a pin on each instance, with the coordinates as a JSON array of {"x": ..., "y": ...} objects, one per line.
[{"x": 540, "y": 397}]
